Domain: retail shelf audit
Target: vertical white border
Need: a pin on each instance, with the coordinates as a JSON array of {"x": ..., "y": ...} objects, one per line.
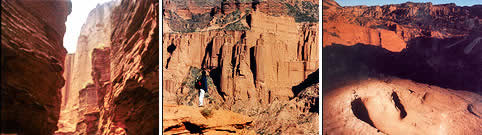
[
  {"x": 320, "y": 67},
  {"x": 160, "y": 65}
]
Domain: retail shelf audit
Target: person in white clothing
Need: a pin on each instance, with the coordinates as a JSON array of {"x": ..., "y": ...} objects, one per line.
[
  {"x": 201, "y": 97},
  {"x": 203, "y": 89}
]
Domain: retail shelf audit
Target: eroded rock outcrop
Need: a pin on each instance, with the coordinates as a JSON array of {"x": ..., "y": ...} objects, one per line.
[
  {"x": 429, "y": 38},
  {"x": 82, "y": 93},
  {"x": 189, "y": 119},
  {"x": 369, "y": 84},
  {"x": 114, "y": 73},
  {"x": 255, "y": 52},
  {"x": 398, "y": 106},
  {"x": 245, "y": 64},
  {"x": 32, "y": 62},
  {"x": 131, "y": 105},
  {"x": 390, "y": 25}
]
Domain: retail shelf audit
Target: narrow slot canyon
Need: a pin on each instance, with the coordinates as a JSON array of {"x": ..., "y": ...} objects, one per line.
[{"x": 109, "y": 85}]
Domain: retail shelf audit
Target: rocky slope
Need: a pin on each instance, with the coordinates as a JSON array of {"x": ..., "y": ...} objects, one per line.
[
  {"x": 255, "y": 52},
  {"x": 401, "y": 68},
  {"x": 114, "y": 70},
  {"x": 32, "y": 62}
]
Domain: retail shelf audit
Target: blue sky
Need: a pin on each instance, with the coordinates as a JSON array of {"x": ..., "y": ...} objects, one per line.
[{"x": 386, "y": 2}]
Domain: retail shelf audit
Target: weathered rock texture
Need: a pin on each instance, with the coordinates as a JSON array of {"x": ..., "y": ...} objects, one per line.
[
  {"x": 275, "y": 54},
  {"x": 113, "y": 80},
  {"x": 32, "y": 59},
  {"x": 131, "y": 104},
  {"x": 371, "y": 55},
  {"x": 398, "y": 106},
  {"x": 255, "y": 52},
  {"x": 188, "y": 119},
  {"x": 80, "y": 94},
  {"x": 440, "y": 42},
  {"x": 389, "y": 25}
]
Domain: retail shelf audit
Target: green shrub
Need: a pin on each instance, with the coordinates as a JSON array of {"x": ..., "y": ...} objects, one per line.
[
  {"x": 236, "y": 26},
  {"x": 308, "y": 12}
]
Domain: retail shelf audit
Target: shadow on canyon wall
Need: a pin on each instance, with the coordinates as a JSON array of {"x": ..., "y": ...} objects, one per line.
[
  {"x": 312, "y": 79},
  {"x": 454, "y": 63}
]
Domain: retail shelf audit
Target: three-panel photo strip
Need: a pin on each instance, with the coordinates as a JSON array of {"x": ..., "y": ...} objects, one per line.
[{"x": 247, "y": 67}]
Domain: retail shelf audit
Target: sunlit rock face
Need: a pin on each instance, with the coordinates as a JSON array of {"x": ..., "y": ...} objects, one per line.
[
  {"x": 399, "y": 106},
  {"x": 81, "y": 94},
  {"x": 389, "y": 25},
  {"x": 441, "y": 42},
  {"x": 32, "y": 60},
  {"x": 113, "y": 70},
  {"x": 413, "y": 66},
  {"x": 256, "y": 54},
  {"x": 189, "y": 119},
  {"x": 131, "y": 104},
  {"x": 274, "y": 53}
]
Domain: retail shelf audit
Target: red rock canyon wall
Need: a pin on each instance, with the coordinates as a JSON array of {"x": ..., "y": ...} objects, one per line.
[
  {"x": 113, "y": 84},
  {"x": 32, "y": 62},
  {"x": 131, "y": 105},
  {"x": 274, "y": 55},
  {"x": 410, "y": 68},
  {"x": 260, "y": 55},
  {"x": 80, "y": 95}
]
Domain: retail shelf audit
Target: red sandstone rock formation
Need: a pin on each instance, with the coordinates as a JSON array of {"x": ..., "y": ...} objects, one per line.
[
  {"x": 273, "y": 55},
  {"x": 81, "y": 94},
  {"x": 188, "y": 119},
  {"x": 399, "y": 106},
  {"x": 131, "y": 103},
  {"x": 113, "y": 76},
  {"x": 442, "y": 37},
  {"x": 365, "y": 46},
  {"x": 390, "y": 25},
  {"x": 32, "y": 60},
  {"x": 256, "y": 53}
]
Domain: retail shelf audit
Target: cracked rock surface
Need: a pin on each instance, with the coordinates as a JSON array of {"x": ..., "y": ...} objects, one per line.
[{"x": 399, "y": 106}]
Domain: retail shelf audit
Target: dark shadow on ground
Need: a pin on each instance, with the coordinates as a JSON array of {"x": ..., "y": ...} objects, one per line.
[
  {"x": 309, "y": 81},
  {"x": 425, "y": 60}
]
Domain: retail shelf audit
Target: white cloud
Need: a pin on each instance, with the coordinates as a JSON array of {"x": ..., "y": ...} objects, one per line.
[{"x": 80, "y": 11}]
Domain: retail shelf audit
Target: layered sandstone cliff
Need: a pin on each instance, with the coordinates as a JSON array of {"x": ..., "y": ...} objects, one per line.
[
  {"x": 80, "y": 96},
  {"x": 441, "y": 42},
  {"x": 276, "y": 53},
  {"x": 113, "y": 76},
  {"x": 32, "y": 62},
  {"x": 410, "y": 68},
  {"x": 389, "y": 25},
  {"x": 131, "y": 104},
  {"x": 255, "y": 52}
]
